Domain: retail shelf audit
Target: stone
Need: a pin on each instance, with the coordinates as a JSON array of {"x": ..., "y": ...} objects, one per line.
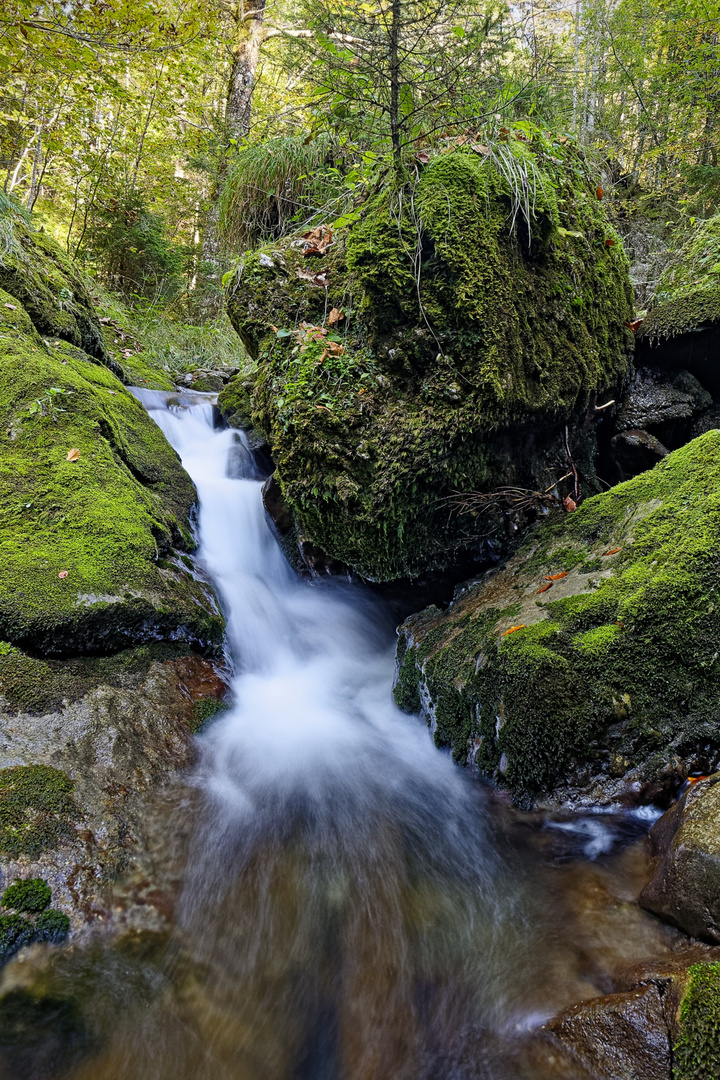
[
  {"x": 619, "y": 1036},
  {"x": 586, "y": 667},
  {"x": 685, "y": 885}
]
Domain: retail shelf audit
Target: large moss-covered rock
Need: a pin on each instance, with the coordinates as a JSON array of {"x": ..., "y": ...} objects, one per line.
[
  {"x": 37, "y": 273},
  {"x": 591, "y": 660},
  {"x": 433, "y": 347},
  {"x": 90, "y": 548}
]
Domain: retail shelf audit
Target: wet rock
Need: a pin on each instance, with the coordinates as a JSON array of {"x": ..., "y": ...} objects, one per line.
[
  {"x": 116, "y": 739},
  {"x": 618, "y": 1037},
  {"x": 685, "y": 886},
  {"x": 655, "y": 397},
  {"x": 635, "y": 451}
]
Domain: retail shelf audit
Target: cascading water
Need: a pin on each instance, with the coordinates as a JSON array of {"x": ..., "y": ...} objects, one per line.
[{"x": 350, "y": 908}]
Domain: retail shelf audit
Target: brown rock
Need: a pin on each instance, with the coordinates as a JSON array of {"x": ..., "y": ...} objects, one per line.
[
  {"x": 619, "y": 1036},
  {"x": 685, "y": 886}
]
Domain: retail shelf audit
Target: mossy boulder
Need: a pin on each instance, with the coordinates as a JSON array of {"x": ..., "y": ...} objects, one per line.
[
  {"x": 592, "y": 658},
  {"x": 434, "y": 346},
  {"x": 697, "y": 1050},
  {"x": 38, "y": 274},
  {"x": 89, "y": 540}
]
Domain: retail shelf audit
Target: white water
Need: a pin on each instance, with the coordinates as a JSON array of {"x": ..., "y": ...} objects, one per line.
[{"x": 346, "y": 912}]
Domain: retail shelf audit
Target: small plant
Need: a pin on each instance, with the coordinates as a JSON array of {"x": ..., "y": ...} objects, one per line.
[
  {"x": 46, "y": 404},
  {"x": 25, "y": 899}
]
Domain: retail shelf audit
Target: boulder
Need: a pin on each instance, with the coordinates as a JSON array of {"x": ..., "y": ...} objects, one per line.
[
  {"x": 437, "y": 343},
  {"x": 586, "y": 668},
  {"x": 87, "y": 747},
  {"x": 685, "y": 886},
  {"x": 97, "y": 514}
]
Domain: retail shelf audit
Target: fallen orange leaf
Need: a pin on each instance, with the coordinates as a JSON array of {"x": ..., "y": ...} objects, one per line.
[
  {"x": 569, "y": 504},
  {"x": 612, "y": 551},
  {"x": 599, "y": 192},
  {"x": 73, "y": 455},
  {"x": 546, "y": 587},
  {"x": 556, "y": 577},
  {"x": 513, "y": 629}
]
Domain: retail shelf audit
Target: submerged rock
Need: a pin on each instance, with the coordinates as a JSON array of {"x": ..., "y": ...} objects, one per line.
[
  {"x": 587, "y": 667},
  {"x": 432, "y": 348}
]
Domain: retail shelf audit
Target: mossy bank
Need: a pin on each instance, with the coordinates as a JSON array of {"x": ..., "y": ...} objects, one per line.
[
  {"x": 588, "y": 663},
  {"x": 433, "y": 346}
]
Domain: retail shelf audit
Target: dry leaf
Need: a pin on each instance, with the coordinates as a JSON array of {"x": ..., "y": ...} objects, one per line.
[
  {"x": 63, "y": 574},
  {"x": 317, "y": 241},
  {"x": 114, "y": 392},
  {"x": 612, "y": 551},
  {"x": 513, "y": 629},
  {"x": 73, "y": 455},
  {"x": 634, "y": 325},
  {"x": 569, "y": 504},
  {"x": 13, "y": 307},
  {"x": 609, "y": 242},
  {"x": 556, "y": 577},
  {"x": 545, "y": 587},
  {"x": 479, "y": 148},
  {"x": 599, "y": 192},
  {"x": 335, "y": 316},
  {"x": 319, "y": 279}
]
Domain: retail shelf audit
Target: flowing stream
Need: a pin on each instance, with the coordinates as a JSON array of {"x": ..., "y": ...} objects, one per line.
[{"x": 353, "y": 906}]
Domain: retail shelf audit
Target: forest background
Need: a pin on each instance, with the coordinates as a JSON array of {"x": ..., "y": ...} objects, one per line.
[{"x": 157, "y": 140}]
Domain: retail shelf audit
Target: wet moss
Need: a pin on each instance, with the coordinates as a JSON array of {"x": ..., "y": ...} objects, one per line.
[
  {"x": 446, "y": 376},
  {"x": 29, "y": 895},
  {"x": 205, "y": 710},
  {"x": 644, "y": 632},
  {"x": 80, "y": 540},
  {"x": 34, "y": 685},
  {"x": 688, "y": 294},
  {"x": 37, "y": 809},
  {"x": 697, "y": 1051}
]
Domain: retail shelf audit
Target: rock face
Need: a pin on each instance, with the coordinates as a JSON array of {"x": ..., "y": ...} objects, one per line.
[
  {"x": 685, "y": 887},
  {"x": 432, "y": 348},
  {"x": 587, "y": 667}
]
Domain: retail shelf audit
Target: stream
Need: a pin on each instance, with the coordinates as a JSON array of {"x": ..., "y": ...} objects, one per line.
[{"x": 352, "y": 906}]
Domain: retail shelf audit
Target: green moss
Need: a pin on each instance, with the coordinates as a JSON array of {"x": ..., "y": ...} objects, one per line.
[
  {"x": 205, "y": 710},
  {"x": 101, "y": 521},
  {"x": 646, "y": 630},
  {"x": 37, "y": 809},
  {"x": 688, "y": 294},
  {"x": 29, "y": 684},
  {"x": 137, "y": 372},
  {"x": 697, "y": 1051},
  {"x": 37, "y": 923},
  {"x": 28, "y": 895},
  {"x": 38, "y": 274},
  {"x": 235, "y": 402},
  {"x": 444, "y": 380}
]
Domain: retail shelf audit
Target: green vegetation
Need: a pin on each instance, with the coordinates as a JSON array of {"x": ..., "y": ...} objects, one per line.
[
  {"x": 69, "y": 581},
  {"x": 459, "y": 319},
  {"x": 30, "y": 895},
  {"x": 688, "y": 293},
  {"x": 37, "y": 809},
  {"x": 697, "y": 1051},
  {"x": 623, "y": 667},
  {"x": 32, "y": 898},
  {"x": 205, "y": 710}
]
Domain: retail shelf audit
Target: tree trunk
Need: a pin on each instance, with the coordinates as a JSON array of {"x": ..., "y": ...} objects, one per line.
[{"x": 238, "y": 106}]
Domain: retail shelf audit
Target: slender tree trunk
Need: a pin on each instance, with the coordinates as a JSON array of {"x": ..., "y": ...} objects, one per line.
[
  {"x": 395, "y": 18},
  {"x": 238, "y": 108}
]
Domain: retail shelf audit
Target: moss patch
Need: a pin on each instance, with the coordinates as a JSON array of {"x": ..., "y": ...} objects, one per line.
[
  {"x": 37, "y": 809},
  {"x": 620, "y": 664},
  {"x": 463, "y": 381},
  {"x": 37, "y": 922},
  {"x": 688, "y": 293},
  {"x": 80, "y": 540},
  {"x": 697, "y": 1051},
  {"x": 37, "y": 273}
]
